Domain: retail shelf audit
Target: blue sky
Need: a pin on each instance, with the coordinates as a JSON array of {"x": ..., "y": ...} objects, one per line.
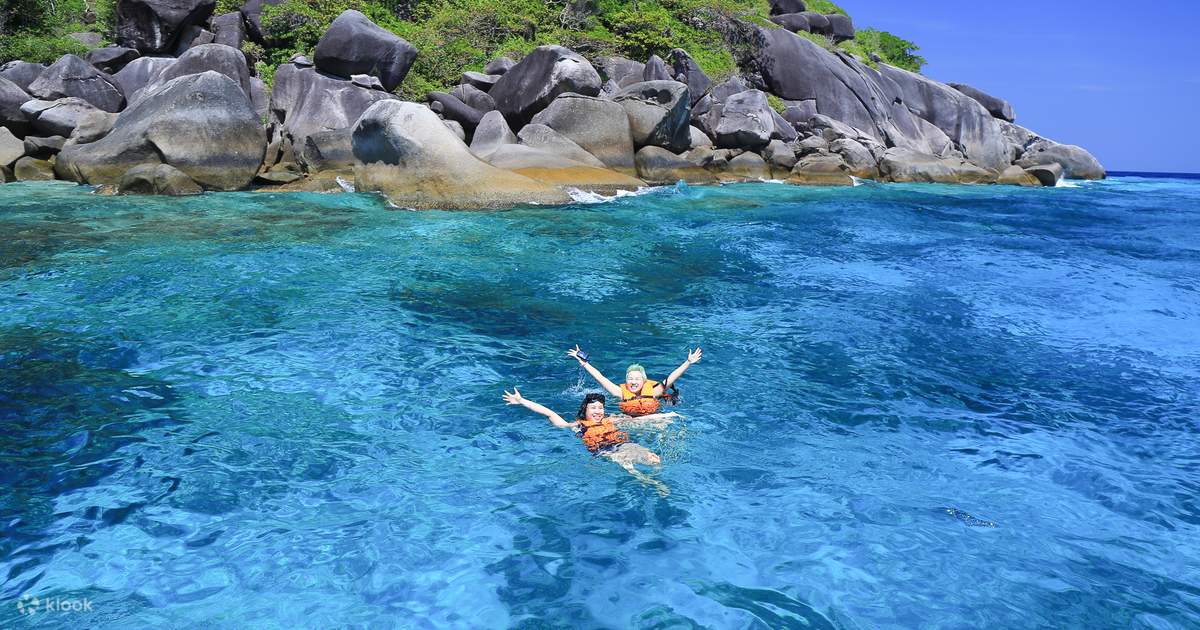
[{"x": 1121, "y": 79}]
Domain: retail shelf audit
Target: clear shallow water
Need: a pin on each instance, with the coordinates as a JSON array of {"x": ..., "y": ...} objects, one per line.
[{"x": 251, "y": 410}]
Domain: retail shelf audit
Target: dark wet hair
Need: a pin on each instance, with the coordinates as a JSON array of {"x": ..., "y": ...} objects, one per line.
[{"x": 587, "y": 400}]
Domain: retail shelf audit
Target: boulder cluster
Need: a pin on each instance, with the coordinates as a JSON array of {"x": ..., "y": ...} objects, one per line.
[{"x": 176, "y": 109}]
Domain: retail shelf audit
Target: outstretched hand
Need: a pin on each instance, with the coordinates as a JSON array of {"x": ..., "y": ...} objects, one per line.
[
  {"x": 514, "y": 398},
  {"x": 694, "y": 356},
  {"x": 574, "y": 353}
]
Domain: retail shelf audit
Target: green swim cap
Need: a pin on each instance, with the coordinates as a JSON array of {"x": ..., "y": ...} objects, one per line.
[{"x": 636, "y": 368}]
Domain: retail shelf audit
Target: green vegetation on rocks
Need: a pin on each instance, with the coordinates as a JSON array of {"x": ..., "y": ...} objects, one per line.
[{"x": 456, "y": 35}]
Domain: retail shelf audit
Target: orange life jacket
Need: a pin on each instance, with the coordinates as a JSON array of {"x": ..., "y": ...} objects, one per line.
[
  {"x": 641, "y": 403},
  {"x": 597, "y": 434}
]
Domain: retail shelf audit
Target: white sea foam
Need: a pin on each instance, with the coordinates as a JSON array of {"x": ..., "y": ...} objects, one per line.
[
  {"x": 1066, "y": 183},
  {"x": 587, "y": 196}
]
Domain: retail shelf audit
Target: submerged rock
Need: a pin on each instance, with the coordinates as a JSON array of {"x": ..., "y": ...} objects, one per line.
[{"x": 406, "y": 153}]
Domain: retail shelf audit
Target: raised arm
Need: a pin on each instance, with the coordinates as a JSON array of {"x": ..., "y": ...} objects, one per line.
[
  {"x": 515, "y": 398},
  {"x": 604, "y": 382},
  {"x": 693, "y": 357}
]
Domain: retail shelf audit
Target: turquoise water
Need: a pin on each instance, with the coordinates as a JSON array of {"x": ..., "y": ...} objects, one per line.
[{"x": 919, "y": 406}]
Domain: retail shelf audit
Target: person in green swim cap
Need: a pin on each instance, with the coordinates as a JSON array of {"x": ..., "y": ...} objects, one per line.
[{"x": 638, "y": 395}]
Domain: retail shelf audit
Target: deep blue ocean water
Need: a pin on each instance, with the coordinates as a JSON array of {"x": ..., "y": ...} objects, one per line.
[{"x": 919, "y": 407}]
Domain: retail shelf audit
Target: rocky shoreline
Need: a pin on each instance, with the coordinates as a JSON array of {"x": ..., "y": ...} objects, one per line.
[{"x": 176, "y": 110}]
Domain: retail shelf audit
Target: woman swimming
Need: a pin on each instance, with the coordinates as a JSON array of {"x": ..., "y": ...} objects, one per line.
[
  {"x": 639, "y": 396},
  {"x": 602, "y": 435}
]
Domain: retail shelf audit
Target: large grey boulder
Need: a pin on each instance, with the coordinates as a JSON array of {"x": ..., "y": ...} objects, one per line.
[
  {"x": 1076, "y": 162},
  {"x": 821, "y": 169},
  {"x": 327, "y": 151},
  {"x": 1047, "y": 174},
  {"x": 531, "y": 85},
  {"x": 546, "y": 139},
  {"x": 698, "y": 138},
  {"x": 43, "y": 148},
  {"x": 202, "y": 124},
  {"x": 1016, "y": 176},
  {"x": 22, "y": 73},
  {"x": 817, "y": 23},
  {"x": 783, "y": 129},
  {"x": 621, "y": 71},
  {"x": 12, "y": 97},
  {"x": 840, "y": 87},
  {"x": 659, "y": 114},
  {"x": 474, "y": 97},
  {"x": 479, "y": 80},
  {"x": 841, "y": 27},
  {"x": 746, "y": 121},
  {"x": 656, "y": 70},
  {"x": 601, "y": 127},
  {"x": 28, "y": 169},
  {"x": 157, "y": 179},
  {"x": 356, "y": 45},
  {"x": 203, "y": 58},
  {"x": 687, "y": 71},
  {"x": 657, "y": 165},
  {"x": 905, "y": 165},
  {"x": 11, "y": 148},
  {"x": 59, "y": 117},
  {"x": 304, "y": 101},
  {"x": 780, "y": 156},
  {"x": 747, "y": 166},
  {"x": 252, "y": 15},
  {"x": 229, "y": 29},
  {"x": 137, "y": 73},
  {"x": 499, "y": 66},
  {"x": 456, "y": 110},
  {"x": 997, "y": 107},
  {"x": 491, "y": 133},
  {"x": 405, "y": 152},
  {"x": 72, "y": 76},
  {"x": 974, "y": 131},
  {"x": 260, "y": 98},
  {"x": 110, "y": 60},
  {"x": 783, "y": 7},
  {"x": 860, "y": 161},
  {"x": 191, "y": 37},
  {"x": 154, "y": 26},
  {"x": 91, "y": 126},
  {"x": 794, "y": 22}
]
